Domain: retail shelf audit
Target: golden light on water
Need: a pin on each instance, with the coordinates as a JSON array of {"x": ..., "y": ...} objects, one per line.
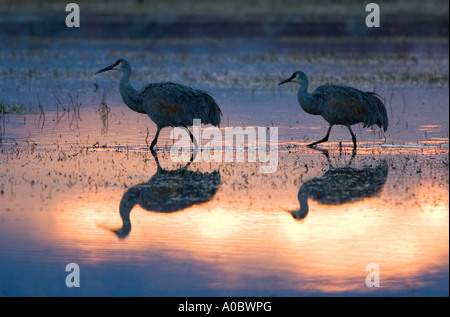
[
  {"x": 244, "y": 234},
  {"x": 333, "y": 244}
]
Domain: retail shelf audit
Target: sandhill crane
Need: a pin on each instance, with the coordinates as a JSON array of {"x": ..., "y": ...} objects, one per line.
[
  {"x": 167, "y": 104},
  {"x": 340, "y": 105}
]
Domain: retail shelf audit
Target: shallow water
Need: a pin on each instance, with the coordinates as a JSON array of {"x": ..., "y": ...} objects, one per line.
[
  {"x": 62, "y": 206},
  {"x": 71, "y": 174}
]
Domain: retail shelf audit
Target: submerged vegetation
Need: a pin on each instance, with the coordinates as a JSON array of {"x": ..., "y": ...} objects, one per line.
[{"x": 15, "y": 109}]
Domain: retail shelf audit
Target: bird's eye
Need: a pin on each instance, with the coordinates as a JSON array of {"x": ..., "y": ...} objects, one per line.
[
  {"x": 116, "y": 63},
  {"x": 293, "y": 75}
]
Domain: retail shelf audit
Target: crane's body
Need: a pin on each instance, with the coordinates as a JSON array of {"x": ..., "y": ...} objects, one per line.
[
  {"x": 167, "y": 104},
  {"x": 340, "y": 105}
]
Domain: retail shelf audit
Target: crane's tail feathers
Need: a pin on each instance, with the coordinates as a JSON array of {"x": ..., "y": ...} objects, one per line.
[
  {"x": 375, "y": 95},
  {"x": 381, "y": 117},
  {"x": 214, "y": 113}
]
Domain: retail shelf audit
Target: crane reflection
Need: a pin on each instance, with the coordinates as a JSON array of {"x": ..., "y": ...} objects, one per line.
[
  {"x": 341, "y": 185},
  {"x": 168, "y": 191}
]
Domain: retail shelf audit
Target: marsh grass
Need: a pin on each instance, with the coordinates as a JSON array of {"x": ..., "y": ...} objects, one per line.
[
  {"x": 41, "y": 119},
  {"x": 105, "y": 111},
  {"x": 20, "y": 109},
  {"x": 14, "y": 109},
  {"x": 72, "y": 109}
]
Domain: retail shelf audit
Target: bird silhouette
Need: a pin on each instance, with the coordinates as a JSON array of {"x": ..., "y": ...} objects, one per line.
[
  {"x": 341, "y": 185},
  {"x": 340, "y": 105},
  {"x": 166, "y": 192},
  {"x": 167, "y": 104}
]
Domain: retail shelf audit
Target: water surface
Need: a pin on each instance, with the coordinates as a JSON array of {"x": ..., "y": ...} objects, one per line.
[{"x": 78, "y": 184}]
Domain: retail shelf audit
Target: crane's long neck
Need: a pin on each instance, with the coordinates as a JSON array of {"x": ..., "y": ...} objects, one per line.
[
  {"x": 306, "y": 100},
  {"x": 303, "y": 200},
  {"x": 128, "y": 201},
  {"x": 130, "y": 95}
]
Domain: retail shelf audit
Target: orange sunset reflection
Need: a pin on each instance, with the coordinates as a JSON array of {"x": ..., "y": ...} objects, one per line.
[{"x": 325, "y": 252}]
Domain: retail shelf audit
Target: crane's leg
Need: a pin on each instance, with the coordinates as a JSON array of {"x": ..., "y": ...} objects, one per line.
[
  {"x": 155, "y": 156},
  {"x": 192, "y": 137},
  {"x": 155, "y": 139},
  {"x": 194, "y": 153},
  {"x": 353, "y": 138},
  {"x": 325, "y": 139}
]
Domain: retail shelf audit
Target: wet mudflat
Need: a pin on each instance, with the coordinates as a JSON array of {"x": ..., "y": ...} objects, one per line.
[{"x": 78, "y": 184}]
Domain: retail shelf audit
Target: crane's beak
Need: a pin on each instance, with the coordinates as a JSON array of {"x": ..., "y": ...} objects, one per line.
[
  {"x": 286, "y": 80},
  {"x": 105, "y": 69},
  {"x": 298, "y": 214}
]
